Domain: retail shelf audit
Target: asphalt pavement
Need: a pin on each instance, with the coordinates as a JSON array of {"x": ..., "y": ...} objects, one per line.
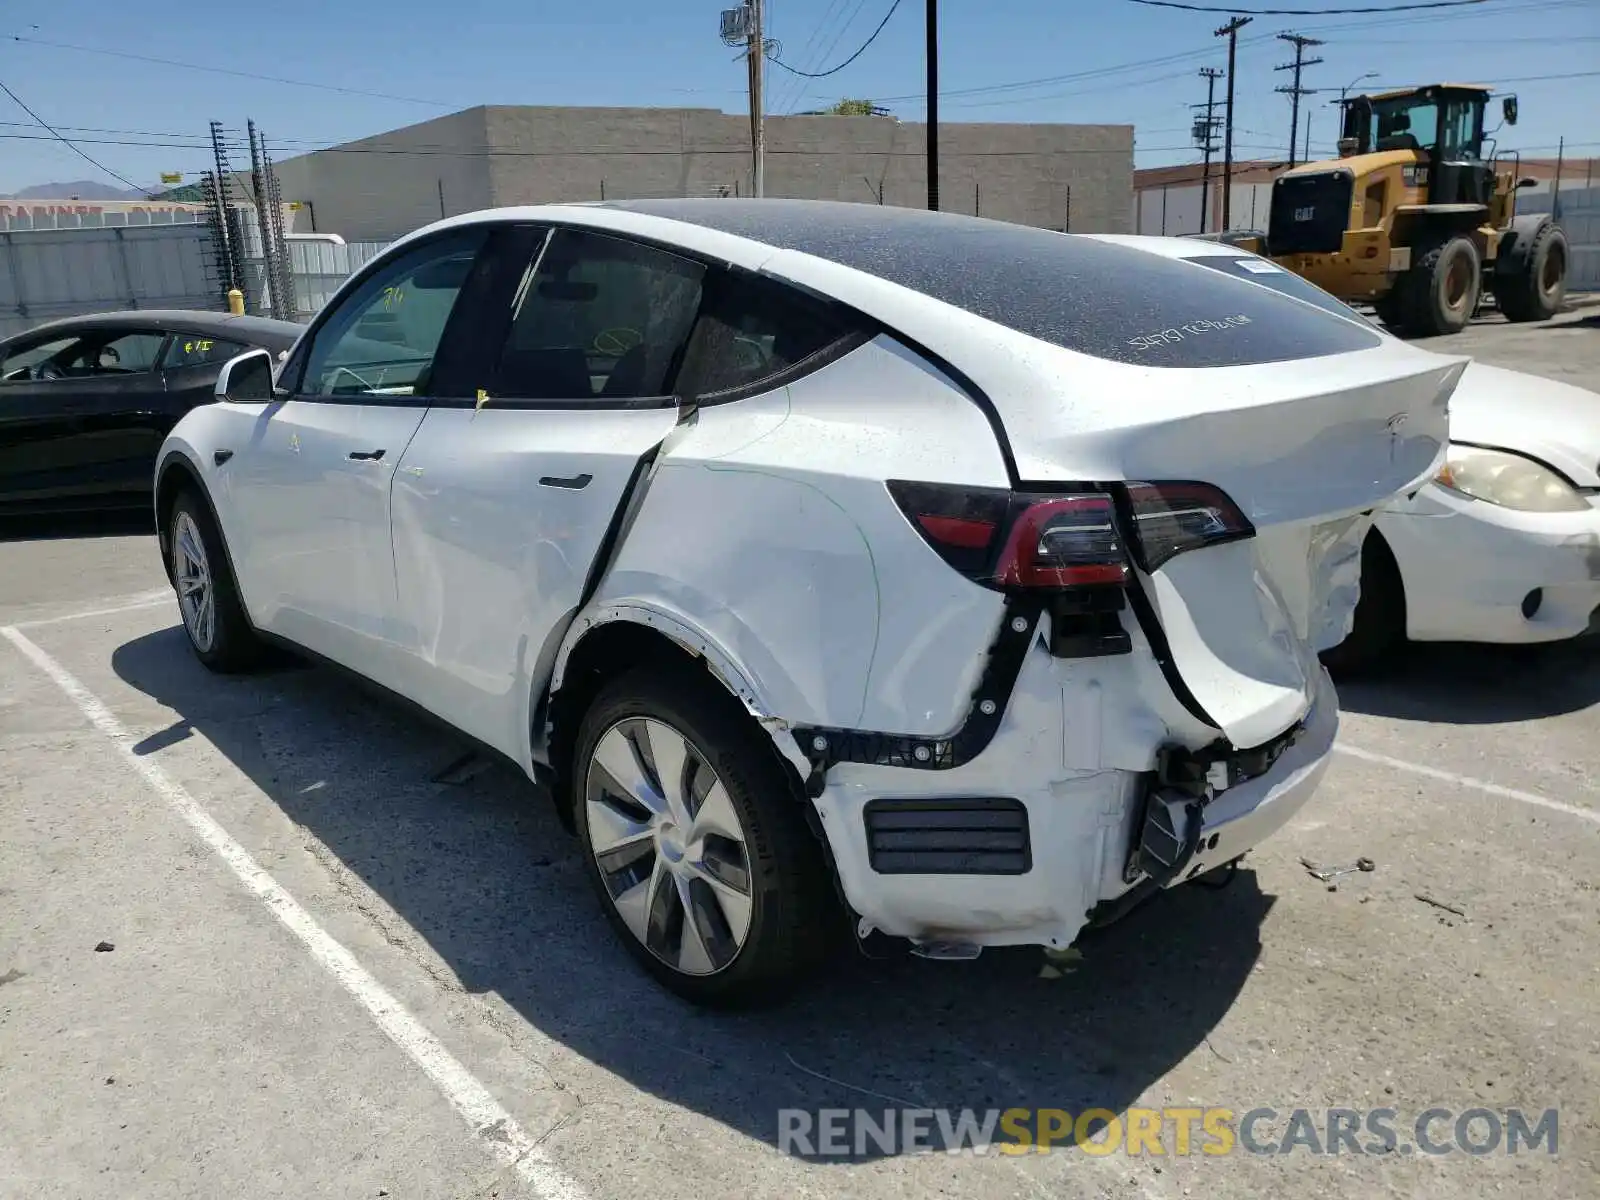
[{"x": 258, "y": 936}]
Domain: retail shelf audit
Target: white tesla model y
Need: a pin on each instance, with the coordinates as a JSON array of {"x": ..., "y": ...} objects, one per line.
[{"x": 966, "y": 574}]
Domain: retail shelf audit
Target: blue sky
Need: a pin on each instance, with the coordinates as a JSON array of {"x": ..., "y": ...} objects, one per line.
[{"x": 1001, "y": 60}]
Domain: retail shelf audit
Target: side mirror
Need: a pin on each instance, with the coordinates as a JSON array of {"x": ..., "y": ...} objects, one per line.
[
  {"x": 246, "y": 377},
  {"x": 1526, "y": 182},
  {"x": 1508, "y": 110}
]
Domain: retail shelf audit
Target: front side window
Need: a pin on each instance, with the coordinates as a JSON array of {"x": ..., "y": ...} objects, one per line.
[
  {"x": 22, "y": 365},
  {"x": 598, "y": 318},
  {"x": 1405, "y": 121},
  {"x": 85, "y": 356},
  {"x": 193, "y": 350},
  {"x": 382, "y": 338}
]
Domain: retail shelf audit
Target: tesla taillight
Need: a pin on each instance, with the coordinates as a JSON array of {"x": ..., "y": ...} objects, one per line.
[
  {"x": 1169, "y": 518},
  {"x": 1063, "y": 542},
  {"x": 1084, "y": 538}
]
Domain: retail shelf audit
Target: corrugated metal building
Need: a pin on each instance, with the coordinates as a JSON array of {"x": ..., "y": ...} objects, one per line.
[{"x": 1054, "y": 176}]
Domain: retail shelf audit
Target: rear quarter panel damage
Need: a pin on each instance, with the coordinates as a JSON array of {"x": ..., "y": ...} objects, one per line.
[{"x": 767, "y": 541}]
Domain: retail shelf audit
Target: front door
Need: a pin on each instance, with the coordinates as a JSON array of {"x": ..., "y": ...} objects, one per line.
[
  {"x": 501, "y": 506},
  {"x": 76, "y": 419},
  {"x": 312, "y": 487}
]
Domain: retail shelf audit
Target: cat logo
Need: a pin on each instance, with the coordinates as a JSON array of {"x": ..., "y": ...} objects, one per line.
[{"x": 1305, "y": 214}]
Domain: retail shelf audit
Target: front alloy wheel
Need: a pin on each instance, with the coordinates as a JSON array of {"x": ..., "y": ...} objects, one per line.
[
  {"x": 191, "y": 576},
  {"x": 208, "y": 598}
]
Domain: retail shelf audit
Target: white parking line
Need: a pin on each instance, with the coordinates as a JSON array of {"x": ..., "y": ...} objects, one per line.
[
  {"x": 1482, "y": 785},
  {"x": 151, "y": 599},
  {"x": 491, "y": 1124}
]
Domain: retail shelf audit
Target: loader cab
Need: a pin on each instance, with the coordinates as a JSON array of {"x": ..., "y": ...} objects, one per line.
[{"x": 1442, "y": 124}]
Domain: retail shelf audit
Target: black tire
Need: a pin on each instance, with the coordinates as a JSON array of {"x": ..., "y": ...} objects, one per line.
[
  {"x": 1389, "y": 311},
  {"x": 792, "y": 907},
  {"x": 1378, "y": 632},
  {"x": 1440, "y": 292},
  {"x": 1537, "y": 291},
  {"x": 232, "y": 645}
]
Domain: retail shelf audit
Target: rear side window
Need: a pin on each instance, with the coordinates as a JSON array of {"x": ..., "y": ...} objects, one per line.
[
  {"x": 192, "y": 350},
  {"x": 598, "y": 318},
  {"x": 753, "y": 328}
]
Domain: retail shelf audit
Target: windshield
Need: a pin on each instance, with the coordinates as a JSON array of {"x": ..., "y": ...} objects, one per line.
[{"x": 1270, "y": 274}]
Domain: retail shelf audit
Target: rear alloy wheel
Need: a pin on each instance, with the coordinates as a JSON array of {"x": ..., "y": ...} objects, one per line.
[
  {"x": 696, "y": 841},
  {"x": 208, "y": 599},
  {"x": 1536, "y": 294},
  {"x": 1442, "y": 288}
]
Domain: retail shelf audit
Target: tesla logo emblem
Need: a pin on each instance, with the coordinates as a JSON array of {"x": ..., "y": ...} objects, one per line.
[{"x": 1305, "y": 214}]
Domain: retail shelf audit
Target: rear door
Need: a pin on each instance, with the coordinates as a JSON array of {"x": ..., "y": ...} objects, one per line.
[{"x": 504, "y": 499}]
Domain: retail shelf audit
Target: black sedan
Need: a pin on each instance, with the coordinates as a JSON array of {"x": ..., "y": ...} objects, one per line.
[{"x": 85, "y": 402}]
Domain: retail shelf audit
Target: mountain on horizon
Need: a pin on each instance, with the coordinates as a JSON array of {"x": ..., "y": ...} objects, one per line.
[{"x": 83, "y": 189}]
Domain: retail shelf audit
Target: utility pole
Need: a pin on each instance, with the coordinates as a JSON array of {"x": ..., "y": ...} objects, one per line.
[
  {"x": 1296, "y": 91},
  {"x": 758, "y": 63},
  {"x": 933, "y": 104},
  {"x": 743, "y": 24},
  {"x": 1205, "y": 137},
  {"x": 1231, "y": 32}
]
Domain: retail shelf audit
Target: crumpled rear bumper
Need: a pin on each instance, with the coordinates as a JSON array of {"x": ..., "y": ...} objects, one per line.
[{"x": 1081, "y": 826}]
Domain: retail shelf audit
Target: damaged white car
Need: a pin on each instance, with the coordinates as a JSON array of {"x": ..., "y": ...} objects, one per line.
[
  {"x": 1503, "y": 544},
  {"x": 969, "y": 573}
]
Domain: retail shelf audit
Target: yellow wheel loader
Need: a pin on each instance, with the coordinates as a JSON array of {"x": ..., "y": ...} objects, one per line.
[{"x": 1413, "y": 219}]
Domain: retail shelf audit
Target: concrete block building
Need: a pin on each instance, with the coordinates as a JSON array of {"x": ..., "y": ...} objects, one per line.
[{"x": 1077, "y": 177}]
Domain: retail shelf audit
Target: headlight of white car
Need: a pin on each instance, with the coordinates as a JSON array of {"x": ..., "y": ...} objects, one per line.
[{"x": 1509, "y": 480}]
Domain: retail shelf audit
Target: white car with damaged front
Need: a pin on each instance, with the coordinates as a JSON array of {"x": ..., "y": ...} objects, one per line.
[
  {"x": 966, "y": 573},
  {"x": 1503, "y": 544}
]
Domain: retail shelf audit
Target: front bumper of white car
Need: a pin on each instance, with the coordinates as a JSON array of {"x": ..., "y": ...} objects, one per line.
[
  {"x": 1478, "y": 572},
  {"x": 1080, "y": 827}
]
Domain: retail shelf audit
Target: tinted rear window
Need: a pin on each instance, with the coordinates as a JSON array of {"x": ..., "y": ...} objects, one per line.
[
  {"x": 1270, "y": 274},
  {"x": 1109, "y": 301}
]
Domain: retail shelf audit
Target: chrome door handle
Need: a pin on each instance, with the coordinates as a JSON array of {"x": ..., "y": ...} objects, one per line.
[{"x": 366, "y": 455}]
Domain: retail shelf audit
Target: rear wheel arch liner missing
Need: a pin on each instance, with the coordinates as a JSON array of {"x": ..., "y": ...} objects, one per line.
[{"x": 697, "y": 647}]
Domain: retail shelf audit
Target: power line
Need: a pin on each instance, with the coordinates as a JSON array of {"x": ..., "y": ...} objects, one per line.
[
  {"x": 189, "y": 66},
  {"x": 1076, "y": 76},
  {"x": 68, "y": 142},
  {"x": 794, "y": 92},
  {"x": 1304, "y": 12},
  {"x": 720, "y": 149},
  {"x": 835, "y": 70}
]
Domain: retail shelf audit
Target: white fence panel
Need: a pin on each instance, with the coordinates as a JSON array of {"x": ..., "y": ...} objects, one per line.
[{"x": 46, "y": 274}]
